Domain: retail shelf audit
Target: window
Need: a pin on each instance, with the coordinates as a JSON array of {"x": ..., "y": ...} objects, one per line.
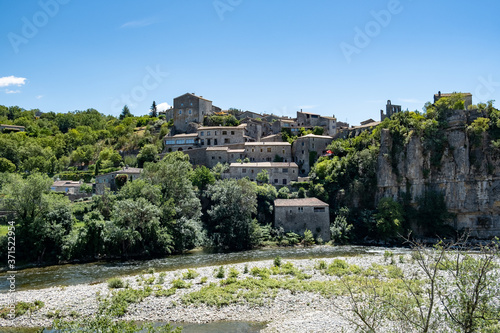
[
  {"x": 220, "y": 158},
  {"x": 213, "y": 157},
  {"x": 208, "y": 132},
  {"x": 224, "y": 132},
  {"x": 285, "y": 170},
  {"x": 283, "y": 151},
  {"x": 253, "y": 150},
  {"x": 202, "y": 142},
  {"x": 191, "y": 103},
  {"x": 226, "y": 141},
  {"x": 202, "y": 133},
  {"x": 215, "y": 142},
  {"x": 261, "y": 150},
  {"x": 190, "y": 141},
  {"x": 319, "y": 209},
  {"x": 300, "y": 209},
  {"x": 251, "y": 171},
  {"x": 190, "y": 111},
  {"x": 302, "y": 152},
  {"x": 268, "y": 150},
  {"x": 179, "y": 142},
  {"x": 302, "y": 144},
  {"x": 170, "y": 142},
  {"x": 232, "y": 132},
  {"x": 284, "y": 181},
  {"x": 215, "y": 133},
  {"x": 180, "y": 111},
  {"x": 182, "y": 104},
  {"x": 276, "y": 181},
  {"x": 243, "y": 170},
  {"x": 208, "y": 142}
]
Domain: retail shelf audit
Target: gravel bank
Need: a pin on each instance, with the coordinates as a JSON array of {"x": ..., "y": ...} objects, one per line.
[{"x": 288, "y": 312}]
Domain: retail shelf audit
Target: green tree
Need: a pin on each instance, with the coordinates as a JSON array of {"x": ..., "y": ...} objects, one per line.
[
  {"x": 6, "y": 165},
  {"x": 125, "y": 113},
  {"x": 149, "y": 153},
  {"x": 202, "y": 177},
  {"x": 390, "y": 217},
  {"x": 283, "y": 193},
  {"x": 233, "y": 202},
  {"x": 154, "y": 112},
  {"x": 263, "y": 177}
]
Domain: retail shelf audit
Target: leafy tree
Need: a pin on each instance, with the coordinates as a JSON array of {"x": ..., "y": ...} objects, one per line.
[
  {"x": 283, "y": 193},
  {"x": 318, "y": 130},
  {"x": 233, "y": 202},
  {"x": 266, "y": 194},
  {"x": 389, "y": 218},
  {"x": 301, "y": 193},
  {"x": 202, "y": 177},
  {"x": 125, "y": 113},
  {"x": 149, "y": 153},
  {"x": 340, "y": 229},
  {"x": 6, "y": 165},
  {"x": 181, "y": 208},
  {"x": 263, "y": 177}
]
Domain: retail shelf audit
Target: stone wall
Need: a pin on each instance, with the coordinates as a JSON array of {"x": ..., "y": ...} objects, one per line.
[
  {"x": 468, "y": 176},
  {"x": 295, "y": 220}
]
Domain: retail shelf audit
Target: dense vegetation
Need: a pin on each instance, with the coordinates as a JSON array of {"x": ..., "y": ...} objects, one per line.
[{"x": 175, "y": 207}]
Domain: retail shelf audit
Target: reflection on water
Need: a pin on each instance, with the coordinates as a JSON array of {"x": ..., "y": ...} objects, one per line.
[{"x": 64, "y": 275}]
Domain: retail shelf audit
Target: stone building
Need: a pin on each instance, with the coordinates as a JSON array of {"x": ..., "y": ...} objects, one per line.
[
  {"x": 307, "y": 149},
  {"x": 66, "y": 186},
  {"x": 307, "y": 120},
  {"x": 390, "y": 109},
  {"x": 11, "y": 128},
  {"x": 280, "y": 173},
  {"x": 181, "y": 142},
  {"x": 249, "y": 114},
  {"x": 282, "y": 123},
  {"x": 210, "y": 136},
  {"x": 257, "y": 129},
  {"x": 214, "y": 155},
  {"x": 187, "y": 109},
  {"x": 467, "y": 97},
  {"x": 107, "y": 180},
  {"x": 268, "y": 151},
  {"x": 297, "y": 215}
]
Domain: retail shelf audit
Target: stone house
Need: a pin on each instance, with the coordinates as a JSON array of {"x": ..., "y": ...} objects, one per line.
[
  {"x": 66, "y": 186},
  {"x": 221, "y": 154},
  {"x": 467, "y": 97},
  {"x": 307, "y": 149},
  {"x": 249, "y": 114},
  {"x": 181, "y": 142},
  {"x": 280, "y": 173},
  {"x": 210, "y": 136},
  {"x": 257, "y": 129},
  {"x": 187, "y": 109},
  {"x": 311, "y": 120},
  {"x": 272, "y": 138},
  {"x": 268, "y": 151},
  {"x": 11, "y": 128},
  {"x": 107, "y": 180},
  {"x": 278, "y": 125},
  {"x": 297, "y": 215}
]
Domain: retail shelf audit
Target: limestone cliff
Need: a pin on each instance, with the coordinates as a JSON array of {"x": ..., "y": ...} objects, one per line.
[{"x": 467, "y": 174}]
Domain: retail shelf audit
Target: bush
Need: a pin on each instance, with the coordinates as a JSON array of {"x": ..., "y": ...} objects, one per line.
[
  {"x": 115, "y": 283},
  {"x": 277, "y": 261}
]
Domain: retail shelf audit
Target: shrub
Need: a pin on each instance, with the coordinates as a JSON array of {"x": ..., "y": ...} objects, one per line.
[
  {"x": 190, "y": 274},
  {"x": 115, "y": 283},
  {"x": 277, "y": 261},
  {"x": 220, "y": 273}
]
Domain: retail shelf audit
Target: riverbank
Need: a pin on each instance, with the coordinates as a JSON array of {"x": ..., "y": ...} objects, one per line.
[{"x": 298, "y": 296}]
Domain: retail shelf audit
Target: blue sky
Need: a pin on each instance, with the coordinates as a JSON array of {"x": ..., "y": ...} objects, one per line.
[{"x": 345, "y": 57}]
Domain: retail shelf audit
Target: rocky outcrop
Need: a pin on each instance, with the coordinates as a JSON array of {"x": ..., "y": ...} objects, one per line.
[{"x": 468, "y": 175}]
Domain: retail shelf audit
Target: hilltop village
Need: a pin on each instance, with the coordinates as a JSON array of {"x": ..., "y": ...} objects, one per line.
[{"x": 197, "y": 175}]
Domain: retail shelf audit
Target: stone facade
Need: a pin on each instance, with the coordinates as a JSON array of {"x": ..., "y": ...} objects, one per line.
[
  {"x": 467, "y": 97},
  {"x": 280, "y": 173},
  {"x": 181, "y": 142},
  {"x": 309, "y": 148},
  {"x": 268, "y": 151},
  {"x": 187, "y": 109},
  {"x": 390, "y": 109},
  {"x": 468, "y": 176},
  {"x": 297, "y": 215},
  {"x": 216, "y": 155},
  {"x": 211, "y": 136},
  {"x": 108, "y": 179}
]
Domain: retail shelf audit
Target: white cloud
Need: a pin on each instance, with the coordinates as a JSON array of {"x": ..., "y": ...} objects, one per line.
[
  {"x": 39, "y": 96},
  {"x": 12, "y": 81},
  {"x": 162, "y": 107},
  {"x": 8, "y": 91},
  {"x": 139, "y": 23}
]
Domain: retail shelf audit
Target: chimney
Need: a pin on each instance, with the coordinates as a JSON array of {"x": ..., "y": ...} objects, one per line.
[{"x": 439, "y": 93}]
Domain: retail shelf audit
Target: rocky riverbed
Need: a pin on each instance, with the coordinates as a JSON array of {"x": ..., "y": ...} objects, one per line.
[{"x": 286, "y": 311}]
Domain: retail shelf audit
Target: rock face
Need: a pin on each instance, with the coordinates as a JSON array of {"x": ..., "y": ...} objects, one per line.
[{"x": 467, "y": 174}]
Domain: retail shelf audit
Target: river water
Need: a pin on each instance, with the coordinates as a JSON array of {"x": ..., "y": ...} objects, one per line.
[{"x": 65, "y": 275}]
